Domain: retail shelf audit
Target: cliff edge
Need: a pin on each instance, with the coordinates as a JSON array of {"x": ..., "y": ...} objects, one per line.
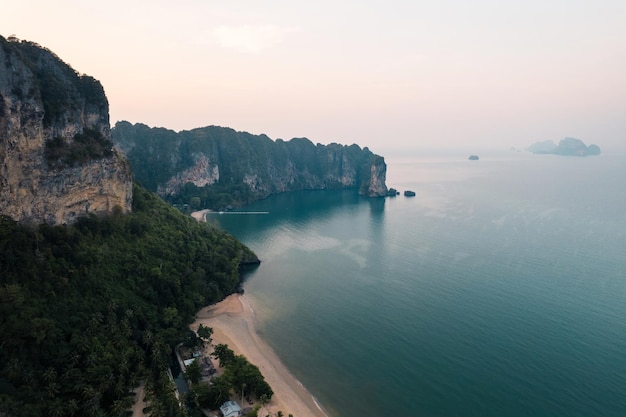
[
  {"x": 219, "y": 167},
  {"x": 57, "y": 161}
]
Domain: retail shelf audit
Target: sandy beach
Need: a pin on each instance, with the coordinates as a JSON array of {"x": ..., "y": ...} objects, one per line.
[
  {"x": 233, "y": 324},
  {"x": 200, "y": 215}
]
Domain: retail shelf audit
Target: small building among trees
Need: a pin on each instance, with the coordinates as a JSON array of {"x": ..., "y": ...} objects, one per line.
[{"x": 230, "y": 409}]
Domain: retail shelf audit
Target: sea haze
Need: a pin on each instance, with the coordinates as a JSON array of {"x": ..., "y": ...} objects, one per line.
[{"x": 499, "y": 290}]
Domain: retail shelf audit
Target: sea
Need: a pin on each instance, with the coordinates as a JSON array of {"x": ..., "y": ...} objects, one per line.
[{"x": 499, "y": 290}]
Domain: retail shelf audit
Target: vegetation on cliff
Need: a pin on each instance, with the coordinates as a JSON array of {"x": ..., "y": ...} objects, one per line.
[
  {"x": 87, "y": 146},
  {"x": 90, "y": 310},
  {"x": 57, "y": 161},
  {"x": 55, "y": 83},
  {"x": 214, "y": 167}
]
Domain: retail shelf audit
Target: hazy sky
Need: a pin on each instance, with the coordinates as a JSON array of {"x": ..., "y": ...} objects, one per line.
[{"x": 384, "y": 74}]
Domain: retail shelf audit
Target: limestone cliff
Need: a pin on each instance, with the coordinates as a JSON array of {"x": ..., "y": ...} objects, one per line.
[
  {"x": 56, "y": 158},
  {"x": 220, "y": 166},
  {"x": 566, "y": 147}
]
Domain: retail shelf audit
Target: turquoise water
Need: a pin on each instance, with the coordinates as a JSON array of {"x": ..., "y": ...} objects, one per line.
[{"x": 499, "y": 290}]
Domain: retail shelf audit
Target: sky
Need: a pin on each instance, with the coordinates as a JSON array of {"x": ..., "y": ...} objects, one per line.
[{"x": 389, "y": 75}]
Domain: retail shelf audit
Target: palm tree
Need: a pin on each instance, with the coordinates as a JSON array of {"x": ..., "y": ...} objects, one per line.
[
  {"x": 72, "y": 407},
  {"x": 57, "y": 408}
]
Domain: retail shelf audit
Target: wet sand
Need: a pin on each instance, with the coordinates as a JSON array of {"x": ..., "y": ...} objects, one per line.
[{"x": 233, "y": 324}]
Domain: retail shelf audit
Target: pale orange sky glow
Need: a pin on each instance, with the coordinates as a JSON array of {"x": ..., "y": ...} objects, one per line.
[{"x": 387, "y": 75}]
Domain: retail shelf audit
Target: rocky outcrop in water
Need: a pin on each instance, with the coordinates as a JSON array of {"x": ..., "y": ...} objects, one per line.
[
  {"x": 567, "y": 147},
  {"x": 218, "y": 167},
  {"x": 56, "y": 158}
]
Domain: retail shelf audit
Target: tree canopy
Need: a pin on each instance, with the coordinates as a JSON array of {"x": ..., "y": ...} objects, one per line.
[
  {"x": 239, "y": 376},
  {"x": 89, "y": 311}
]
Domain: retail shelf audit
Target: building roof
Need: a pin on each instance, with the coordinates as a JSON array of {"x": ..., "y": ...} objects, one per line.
[{"x": 230, "y": 409}]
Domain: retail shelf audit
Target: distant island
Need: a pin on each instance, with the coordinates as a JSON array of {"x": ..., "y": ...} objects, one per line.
[
  {"x": 473, "y": 158},
  {"x": 567, "y": 147}
]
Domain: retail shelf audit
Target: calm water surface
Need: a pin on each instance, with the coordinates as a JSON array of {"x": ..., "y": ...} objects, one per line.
[{"x": 499, "y": 290}]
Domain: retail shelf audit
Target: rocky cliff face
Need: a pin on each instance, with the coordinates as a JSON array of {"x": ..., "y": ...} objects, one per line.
[
  {"x": 374, "y": 184},
  {"x": 56, "y": 158},
  {"x": 223, "y": 167}
]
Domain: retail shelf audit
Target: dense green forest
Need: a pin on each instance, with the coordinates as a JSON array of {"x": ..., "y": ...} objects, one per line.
[{"x": 89, "y": 311}]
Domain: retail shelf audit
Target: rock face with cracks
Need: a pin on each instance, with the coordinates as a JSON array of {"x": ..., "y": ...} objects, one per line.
[{"x": 57, "y": 161}]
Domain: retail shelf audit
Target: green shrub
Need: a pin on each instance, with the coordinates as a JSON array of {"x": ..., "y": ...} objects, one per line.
[{"x": 86, "y": 146}]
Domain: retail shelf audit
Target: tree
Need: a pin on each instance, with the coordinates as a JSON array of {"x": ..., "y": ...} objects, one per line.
[
  {"x": 205, "y": 333},
  {"x": 224, "y": 355},
  {"x": 193, "y": 372},
  {"x": 213, "y": 395}
]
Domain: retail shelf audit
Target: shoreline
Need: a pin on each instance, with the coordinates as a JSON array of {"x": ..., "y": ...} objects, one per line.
[
  {"x": 200, "y": 215},
  {"x": 233, "y": 323}
]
